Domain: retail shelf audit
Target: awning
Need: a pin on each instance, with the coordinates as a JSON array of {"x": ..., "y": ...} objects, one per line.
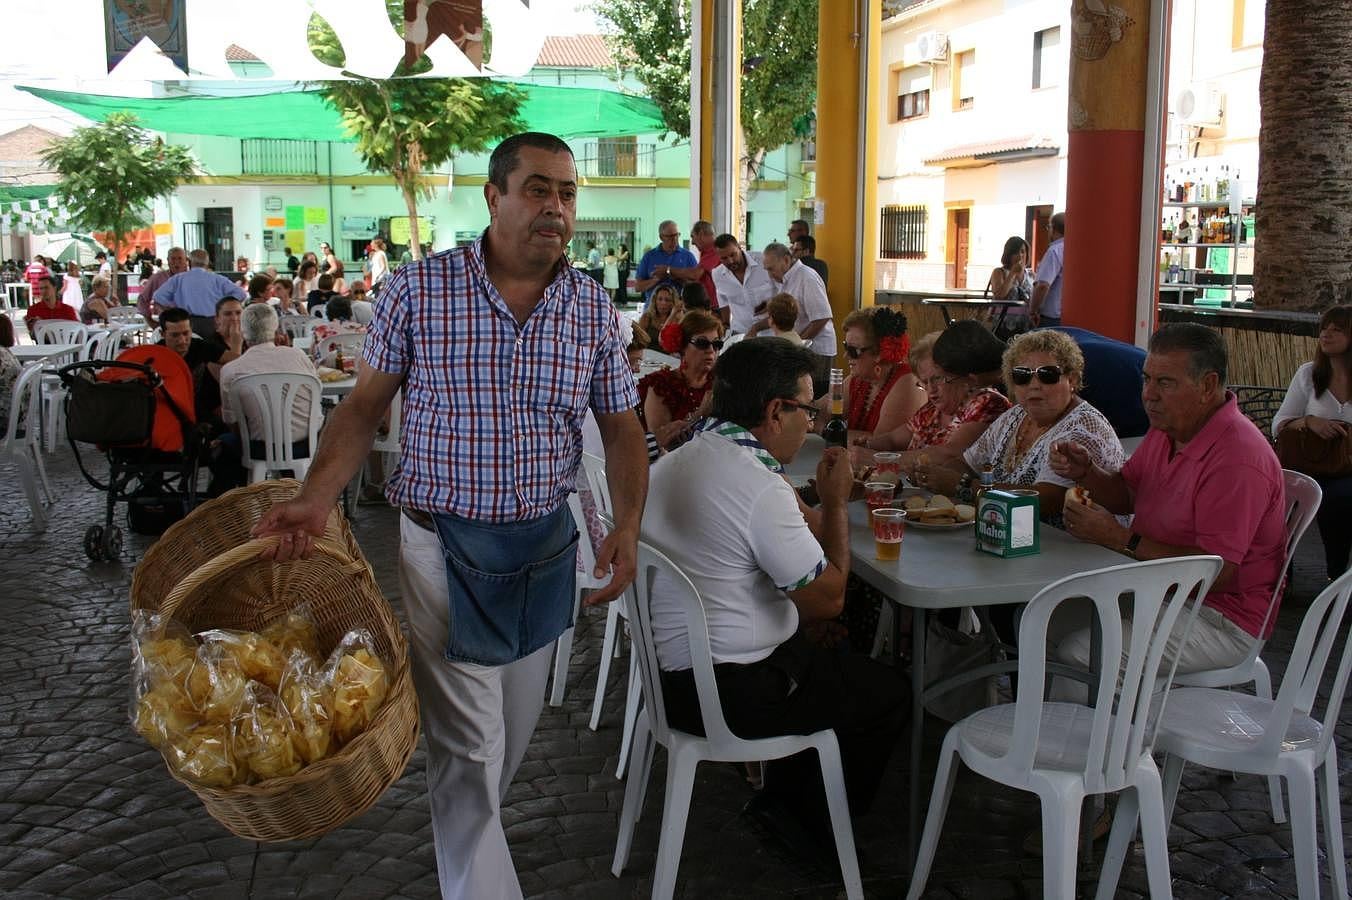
[
  {"x": 989, "y": 152},
  {"x": 568, "y": 112}
]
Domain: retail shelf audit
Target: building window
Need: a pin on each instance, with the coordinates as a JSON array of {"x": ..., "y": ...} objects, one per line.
[
  {"x": 913, "y": 105},
  {"x": 274, "y": 156},
  {"x": 617, "y": 156},
  {"x": 964, "y": 80},
  {"x": 1046, "y": 58},
  {"x": 903, "y": 231},
  {"x": 1246, "y": 24},
  {"x": 911, "y": 88}
]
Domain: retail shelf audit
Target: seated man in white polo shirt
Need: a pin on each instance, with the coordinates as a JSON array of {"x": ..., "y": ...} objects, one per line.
[{"x": 721, "y": 509}]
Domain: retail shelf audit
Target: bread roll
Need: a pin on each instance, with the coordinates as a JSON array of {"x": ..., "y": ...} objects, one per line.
[
  {"x": 965, "y": 512},
  {"x": 939, "y": 501},
  {"x": 1079, "y": 495},
  {"x": 914, "y": 504}
]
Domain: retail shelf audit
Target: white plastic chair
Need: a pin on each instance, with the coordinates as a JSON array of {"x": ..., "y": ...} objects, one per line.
[
  {"x": 1066, "y": 751},
  {"x": 298, "y": 326},
  {"x": 563, "y": 645},
  {"x": 686, "y": 751},
  {"x": 350, "y": 343},
  {"x": 60, "y": 331},
  {"x": 273, "y": 395},
  {"x": 102, "y": 345},
  {"x": 594, "y": 469},
  {"x": 22, "y": 446},
  {"x": 1303, "y": 496},
  {"x": 1289, "y": 737}
]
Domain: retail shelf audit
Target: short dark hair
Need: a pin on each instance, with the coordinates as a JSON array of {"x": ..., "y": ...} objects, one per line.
[
  {"x": 1205, "y": 347},
  {"x": 325, "y": 282},
  {"x": 6, "y": 333},
  {"x": 507, "y": 155},
  {"x": 175, "y": 314},
  {"x": 702, "y": 227},
  {"x": 338, "y": 309},
  {"x": 1058, "y": 223},
  {"x": 802, "y": 222},
  {"x": 224, "y": 300},
  {"x": 809, "y": 243},
  {"x": 725, "y": 240},
  {"x": 694, "y": 296},
  {"x": 99, "y": 255},
  {"x": 47, "y": 278},
  {"x": 968, "y": 348},
  {"x": 258, "y": 284},
  {"x": 750, "y": 374},
  {"x": 1013, "y": 246}
]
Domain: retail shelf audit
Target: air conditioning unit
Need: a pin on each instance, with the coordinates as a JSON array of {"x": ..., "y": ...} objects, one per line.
[
  {"x": 1200, "y": 105},
  {"x": 932, "y": 46}
]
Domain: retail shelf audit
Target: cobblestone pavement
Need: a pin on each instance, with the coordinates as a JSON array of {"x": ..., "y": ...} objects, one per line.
[{"x": 87, "y": 809}]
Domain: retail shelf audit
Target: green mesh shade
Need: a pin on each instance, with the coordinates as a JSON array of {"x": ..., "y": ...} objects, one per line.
[{"x": 568, "y": 112}]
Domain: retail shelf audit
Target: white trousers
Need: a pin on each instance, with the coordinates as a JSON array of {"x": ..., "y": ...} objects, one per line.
[{"x": 478, "y": 721}]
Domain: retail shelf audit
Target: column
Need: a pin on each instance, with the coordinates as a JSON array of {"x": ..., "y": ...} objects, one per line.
[{"x": 715, "y": 111}]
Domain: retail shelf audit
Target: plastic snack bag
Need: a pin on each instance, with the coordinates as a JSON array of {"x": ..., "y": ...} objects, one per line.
[
  {"x": 263, "y": 736},
  {"x": 205, "y": 755},
  {"x": 294, "y": 631},
  {"x": 162, "y": 653},
  {"x": 359, "y": 683},
  {"x": 307, "y": 697},
  {"x": 216, "y": 685},
  {"x": 255, "y": 655},
  {"x": 164, "y": 713}
]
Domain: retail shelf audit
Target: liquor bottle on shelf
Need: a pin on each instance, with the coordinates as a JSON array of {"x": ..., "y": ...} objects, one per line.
[
  {"x": 836, "y": 434},
  {"x": 1182, "y": 233}
]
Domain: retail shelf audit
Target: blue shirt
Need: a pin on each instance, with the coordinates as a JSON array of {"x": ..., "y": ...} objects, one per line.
[
  {"x": 1049, "y": 273},
  {"x": 1112, "y": 380},
  {"x": 197, "y": 291},
  {"x": 680, "y": 258}
]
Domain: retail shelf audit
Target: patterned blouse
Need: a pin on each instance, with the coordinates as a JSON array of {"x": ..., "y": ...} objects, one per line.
[
  {"x": 9, "y": 373},
  {"x": 670, "y": 385},
  {"x": 930, "y": 427}
]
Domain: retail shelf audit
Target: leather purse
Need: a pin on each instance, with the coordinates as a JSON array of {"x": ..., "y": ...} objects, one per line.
[{"x": 1304, "y": 451}]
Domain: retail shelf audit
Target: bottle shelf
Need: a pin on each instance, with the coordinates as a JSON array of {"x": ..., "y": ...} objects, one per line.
[
  {"x": 1221, "y": 246},
  {"x": 1202, "y": 204}
]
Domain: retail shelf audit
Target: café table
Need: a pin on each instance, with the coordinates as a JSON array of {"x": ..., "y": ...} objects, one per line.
[
  {"x": 27, "y": 353},
  {"x": 943, "y": 570},
  {"x": 337, "y": 390},
  {"x": 981, "y": 304}
]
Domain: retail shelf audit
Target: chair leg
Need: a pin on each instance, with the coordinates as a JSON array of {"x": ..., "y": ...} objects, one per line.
[
  {"x": 28, "y": 477},
  {"x": 633, "y": 696},
  {"x": 633, "y": 803},
  {"x": 41, "y": 467},
  {"x": 837, "y": 802},
  {"x": 944, "y": 777},
  {"x": 603, "y": 665},
  {"x": 883, "y": 631},
  {"x": 681, "y": 764},
  {"x": 1333, "y": 824},
  {"x": 1262, "y": 683},
  {"x": 1060, "y": 839},
  {"x": 563, "y": 655},
  {"x": 1173, "y": 774},
  {"x": 1155, "y": 836},
  {"x": 1304, "y": 847},
  {"x": 1124, "y": 826}
]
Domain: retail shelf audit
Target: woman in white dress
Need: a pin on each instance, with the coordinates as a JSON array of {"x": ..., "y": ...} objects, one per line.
[
  {"x": 72, "y": 294},
  {"x": 611, "y": 279}
]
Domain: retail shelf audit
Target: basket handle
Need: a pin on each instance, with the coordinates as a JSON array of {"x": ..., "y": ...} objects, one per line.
[{"x": 243, "y": 553}]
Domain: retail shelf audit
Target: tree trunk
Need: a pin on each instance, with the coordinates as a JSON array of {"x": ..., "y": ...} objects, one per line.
[
  {"x": 410, "y": 193},
  {"x": 750, "y": 170},
  {"x": 1303, "y": 223}
]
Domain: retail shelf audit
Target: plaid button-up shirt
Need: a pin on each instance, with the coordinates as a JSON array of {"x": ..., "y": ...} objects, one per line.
[{"x": 493, "y": 409}]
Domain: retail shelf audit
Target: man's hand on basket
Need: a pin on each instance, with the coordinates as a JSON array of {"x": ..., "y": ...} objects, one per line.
[{"x": 298, "y": 522}]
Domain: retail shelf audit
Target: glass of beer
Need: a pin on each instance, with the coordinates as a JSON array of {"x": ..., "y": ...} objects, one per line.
[
  {"x": 888, "y": 527},
  {"x": 878, "y": 494},
  {"x": 887, "y": 467}
]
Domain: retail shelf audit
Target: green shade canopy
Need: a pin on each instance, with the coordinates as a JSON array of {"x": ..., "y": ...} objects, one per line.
[{"x": 569, "y": 112}]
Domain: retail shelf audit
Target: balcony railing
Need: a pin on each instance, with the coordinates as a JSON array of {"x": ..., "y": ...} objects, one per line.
[
  {"x": 268, "y": 156},
  {"x": 618, "y": 159}
]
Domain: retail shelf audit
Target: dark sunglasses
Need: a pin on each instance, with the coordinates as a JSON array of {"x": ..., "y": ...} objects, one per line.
[
  {"x": 1022, "y": 375},
  {"x": 807, "y": 408},
  {"x": 854, "y": 352},
  {"x": 703, "y": 343}
]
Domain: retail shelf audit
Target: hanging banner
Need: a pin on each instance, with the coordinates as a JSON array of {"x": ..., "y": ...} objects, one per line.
[{"x": 162, "y": 22}]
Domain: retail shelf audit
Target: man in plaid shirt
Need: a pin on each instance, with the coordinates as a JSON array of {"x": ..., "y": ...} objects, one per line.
[{"x": 500, "y": 348}]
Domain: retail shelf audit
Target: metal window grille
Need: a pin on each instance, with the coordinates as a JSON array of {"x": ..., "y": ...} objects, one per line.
[
  {"x": 622, "y": 157},
  {"x": 903, "y": 232},
  {"x": 270, "y": 156}
]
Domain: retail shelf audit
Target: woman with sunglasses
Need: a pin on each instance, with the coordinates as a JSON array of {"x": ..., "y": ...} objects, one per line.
[
  {"x": 678, "y": 395},
  {"x": 881, "y": 391},
  {"x": 1043, "y": 370}
]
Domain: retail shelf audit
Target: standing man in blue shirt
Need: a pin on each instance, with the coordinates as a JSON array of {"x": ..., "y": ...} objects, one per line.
[
  {"x": 1044, "y": 310},
  {"x": 665, "y": 261},
  {"x": 198, "y": 290}
]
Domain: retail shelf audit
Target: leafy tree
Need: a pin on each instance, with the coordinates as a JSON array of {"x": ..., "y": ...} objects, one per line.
[
  {"x": 652, "y": 37},
  {"x": 112, "y": 172},
  {"x": 406, "y": 126}
]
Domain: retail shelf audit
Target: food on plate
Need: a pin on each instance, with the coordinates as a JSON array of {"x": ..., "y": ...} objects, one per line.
[
  {"x": 1079, "y": 495},
  {"x": 914, "y": 504},
  {"x": 939, "y": 501},
  {"x": 965, "y": 512},
  {"x": 939, "y": 516},
  {"x": 328, "y": 375}
]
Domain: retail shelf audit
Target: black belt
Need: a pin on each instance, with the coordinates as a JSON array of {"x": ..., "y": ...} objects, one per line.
[{"x": 422, "y": 519}]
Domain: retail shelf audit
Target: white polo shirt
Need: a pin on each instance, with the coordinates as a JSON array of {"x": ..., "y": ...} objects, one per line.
[
  {"x": 743, "y": 295},
  {"x": 732, "y": 524},
  {"x": 810, "y": 292}
]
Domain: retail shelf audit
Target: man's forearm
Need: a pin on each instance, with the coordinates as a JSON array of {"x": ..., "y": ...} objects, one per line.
[
  {"x": 812, "y": 328},
  {"x": 687, "y": 273},
  {"x": 834, "y": 535},
  {"x": 643, "y": 284}
]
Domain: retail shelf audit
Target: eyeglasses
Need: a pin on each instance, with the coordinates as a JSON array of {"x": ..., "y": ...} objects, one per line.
[
  {"x": 674, "y": 234},
  {"x": 941, "y": 380},
  {"x": 1022, "y": 375},
  {"x": 854, "y": 352},
  {"x": 808, "y": 409},
  {"x": 703, "y": 343}
]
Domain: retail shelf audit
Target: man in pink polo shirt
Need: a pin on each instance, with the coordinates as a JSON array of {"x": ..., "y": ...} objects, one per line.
[{"x": 1204, "y": 480}]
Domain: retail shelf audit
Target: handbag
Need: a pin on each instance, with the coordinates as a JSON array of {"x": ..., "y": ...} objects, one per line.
[
  {"x": 1306, "y": 452},
  {"x": 110, "y": 413}
]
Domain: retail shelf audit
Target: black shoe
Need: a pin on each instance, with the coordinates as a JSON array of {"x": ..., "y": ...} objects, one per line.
[{"x": 805, "y": 843}]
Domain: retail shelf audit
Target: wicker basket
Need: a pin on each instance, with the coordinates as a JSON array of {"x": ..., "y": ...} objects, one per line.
[
  {"x": 237, "y": 589},
  {"x": 213, "y": 528}
]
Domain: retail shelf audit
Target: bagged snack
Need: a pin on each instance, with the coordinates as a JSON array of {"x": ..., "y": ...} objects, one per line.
[
  {"x": 160, "y": 649},
  {"x": 205, "y": 755},
  {"x": 307, "y": 698},
  {"x": 358, "y": 682},
  {"x": 263, "y": 736},
  {"x": 215, "y": 684},
  {"x": 294, "y": 631},
  {"x": 255, "y": 655},
  {"x": 164, "y": 712}
]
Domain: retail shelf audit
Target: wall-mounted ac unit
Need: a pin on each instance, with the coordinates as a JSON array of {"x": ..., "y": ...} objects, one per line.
[
  {"x": 932, "y": 46},
  {"x": 1200, "y": 105}
]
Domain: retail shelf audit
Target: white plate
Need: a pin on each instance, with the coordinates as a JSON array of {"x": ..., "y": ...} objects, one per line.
[{"x": 929, "y": 526}]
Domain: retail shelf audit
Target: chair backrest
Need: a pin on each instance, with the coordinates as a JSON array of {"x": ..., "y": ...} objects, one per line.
[
  {"x": 60, "y": 331},
  {"x": 1303, "y": 496},
  {"x": 350, "y": 342},
  {"x": 102, "y": 345},
  {"x": 391, "y": 442},
  {"x": 274, "y": 395},
  {"x": 594, "y": 470},
  {"x": 23, "y": 405},
  {"x": 1165, "y": 594},
  {"x": 298, "y": 326},
  {"x": 125, "y": 315},
  {"x": 1318, "y": 636}
]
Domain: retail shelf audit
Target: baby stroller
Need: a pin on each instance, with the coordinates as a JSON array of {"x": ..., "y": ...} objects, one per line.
[{"x": 138, "y": 410}]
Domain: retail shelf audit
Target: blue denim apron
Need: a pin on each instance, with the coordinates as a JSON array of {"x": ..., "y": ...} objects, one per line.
[{"x": 510, "y": 586}]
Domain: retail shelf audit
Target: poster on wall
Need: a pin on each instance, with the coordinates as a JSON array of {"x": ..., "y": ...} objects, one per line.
[
  {"x": 127, "y": 22},
  {"x": 164, "y": 239},
  {"x": 316, "y": 219}
]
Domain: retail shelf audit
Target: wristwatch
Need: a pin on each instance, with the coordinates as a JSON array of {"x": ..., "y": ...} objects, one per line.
[{"x": 1132, "y": 543}]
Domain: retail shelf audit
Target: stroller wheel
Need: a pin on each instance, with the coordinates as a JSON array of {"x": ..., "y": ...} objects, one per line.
[
  {"x": 93, "y": 542},
  {"x": 112, "y": 543}
]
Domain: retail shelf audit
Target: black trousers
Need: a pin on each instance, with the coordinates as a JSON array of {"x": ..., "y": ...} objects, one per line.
[{"x": 801, "y": 688}]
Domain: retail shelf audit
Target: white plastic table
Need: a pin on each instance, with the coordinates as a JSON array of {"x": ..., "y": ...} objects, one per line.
[
  {"x": 338, "y": 389},
  {"x": 943, "y": 570},
  {"x": 27, "y": 353}
]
